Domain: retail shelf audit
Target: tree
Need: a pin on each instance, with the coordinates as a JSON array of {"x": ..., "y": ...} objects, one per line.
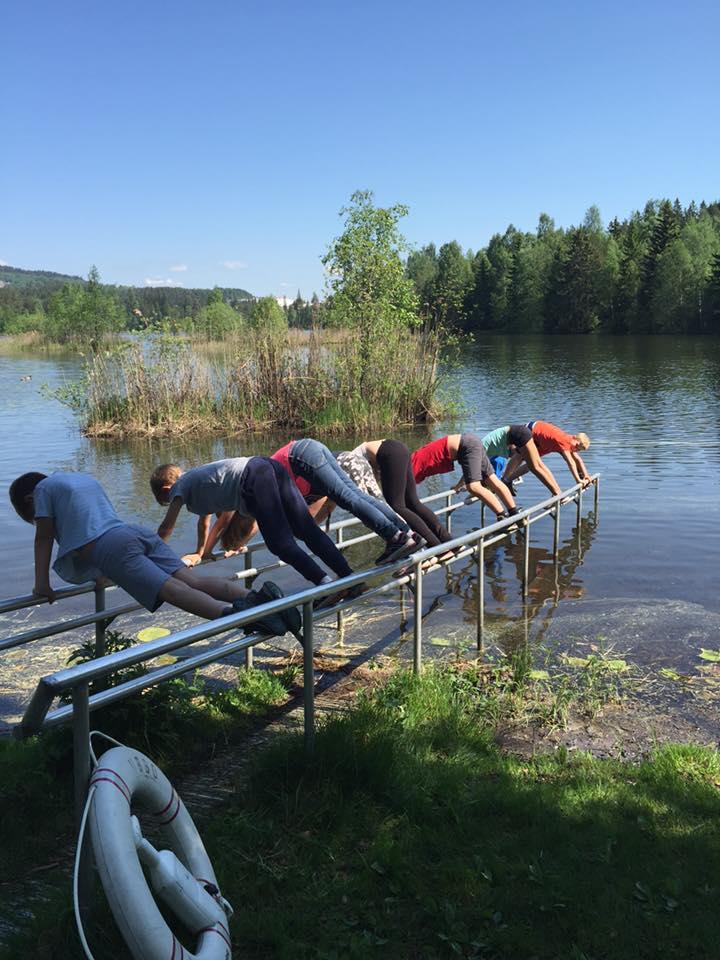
[
  {"x": 451, "y": 286},
  {"x": 422, "y": 268},
  {"x": 367, "y": 285},
  {"x": 85, "y": 314},
  {"x": 267, "y": 315}
]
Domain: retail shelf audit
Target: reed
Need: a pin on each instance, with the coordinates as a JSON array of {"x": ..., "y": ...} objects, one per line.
[{"x": 262, "y": 379}]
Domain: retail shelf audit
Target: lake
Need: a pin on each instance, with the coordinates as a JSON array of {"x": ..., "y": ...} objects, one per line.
[{"x": 645, "y": 576}]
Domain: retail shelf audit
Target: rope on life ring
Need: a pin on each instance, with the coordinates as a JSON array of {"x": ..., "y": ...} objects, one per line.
[{"x": 181, "y": 877}]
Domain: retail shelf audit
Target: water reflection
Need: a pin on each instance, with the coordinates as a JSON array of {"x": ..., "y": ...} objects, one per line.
[{"x": 509, "y": 620}]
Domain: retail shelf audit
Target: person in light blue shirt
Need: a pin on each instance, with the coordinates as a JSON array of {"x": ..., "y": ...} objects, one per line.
[
  {"x": 93, "y": 542},
  {"x": 517, "y": 439}
]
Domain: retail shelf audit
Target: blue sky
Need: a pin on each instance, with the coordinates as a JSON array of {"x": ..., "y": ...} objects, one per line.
[{"x": 215, "y": 142}]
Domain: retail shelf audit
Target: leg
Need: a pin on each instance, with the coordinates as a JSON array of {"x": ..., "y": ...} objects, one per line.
[
  {"x": 393, "y": 460},
  {"x": 263, "y": 498},
  {"x": 478, "y": 489},
  {"x": 220, "y": 588},
  {"x": 179, "y": 593},
  {"x": 439, "y": 530},
  {"x": 304, "y": 527},
  {"x": 329, "y": 478}
]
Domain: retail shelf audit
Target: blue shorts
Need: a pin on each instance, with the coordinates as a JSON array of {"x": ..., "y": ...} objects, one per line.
[{"x": 137, "y": 560}]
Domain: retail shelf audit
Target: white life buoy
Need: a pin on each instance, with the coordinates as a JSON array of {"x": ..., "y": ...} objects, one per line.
[{"x": 182, "y": 876}]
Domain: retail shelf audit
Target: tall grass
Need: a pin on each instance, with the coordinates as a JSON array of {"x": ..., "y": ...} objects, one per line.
[{"x": 170, "y": 385}]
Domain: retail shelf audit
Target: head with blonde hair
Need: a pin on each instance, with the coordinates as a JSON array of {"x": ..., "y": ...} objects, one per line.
[{"x": 582, "y": 441}]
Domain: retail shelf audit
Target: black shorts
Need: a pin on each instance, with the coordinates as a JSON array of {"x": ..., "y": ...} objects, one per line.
[{"x": 473, "y": 458}]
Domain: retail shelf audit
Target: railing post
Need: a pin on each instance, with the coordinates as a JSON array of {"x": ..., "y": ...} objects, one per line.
[
  {"x": 597, "y": 493},
  {"x": 247, "y": 564},
  {"x": 448, "y": 515},
  {"x": 480, "y": 561},
  {"x": 308, "y": 679},
  {"x": 556, "y": 532},
  {"x": 101, "y": 625},
  {"x": 526, "y": 559},
  {"x": 579, "y": 505},
  {"x": 482, "y": 514},
  {"x": 81, "y": 778},
  {"x": 417, "y": 620},
  {"x": 340, "y": 614}
]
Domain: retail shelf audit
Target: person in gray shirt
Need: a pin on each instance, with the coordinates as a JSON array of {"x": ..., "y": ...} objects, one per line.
[{"x": 258, "y": 487}]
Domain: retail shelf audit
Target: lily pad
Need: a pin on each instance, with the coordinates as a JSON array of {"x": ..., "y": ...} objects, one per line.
[
  {"x": 619, "y": 666},
  {"x": 441, "y": 642},
  {"x": 713, "y": 655},
  {"x": 575, "y": 661},
  {"x": 539, "y": 675},
  {"x": 669, "y": 674},
  {"x": 152, "y": 633}
]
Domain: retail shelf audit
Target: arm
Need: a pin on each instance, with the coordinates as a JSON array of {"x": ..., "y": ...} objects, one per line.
[
  {"x": 216, "y": 532},
  {"x": 532, "y": 458},
  {"x": 584, "y": 474},
  {"x": 44, "y": 537},
  {"x": 168, "y": 525},
  {"x": 203, "y": 527}
]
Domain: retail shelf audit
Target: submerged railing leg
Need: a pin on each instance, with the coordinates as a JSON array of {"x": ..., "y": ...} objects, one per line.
[
  {"x": 308, "y": 679},
  {"x": 556, "y": 533},
  {"x": 101, "y": 625},
  {"x": 81, "y": 778},
  {"x": 526, "y": 559},
  {"x": 340, "y": 614},
  {"x": 417, "y": 620},
  {"x": 597, "y": 494},
  {"x": 480, "y": 596},
  {"x": 579, "y": 505}
]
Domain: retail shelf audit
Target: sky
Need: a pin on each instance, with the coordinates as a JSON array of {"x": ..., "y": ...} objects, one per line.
[{"x": 214, "y": 143}]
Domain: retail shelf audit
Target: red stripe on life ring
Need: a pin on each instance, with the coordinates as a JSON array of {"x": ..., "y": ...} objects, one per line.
[
  {"x": 108, "y": 780},
  {"x": 218, "y": 932},
  {"x": 114, "y": 773},
  {"x": 164, "y": 823},
  {"x": 167, "y": 805}
]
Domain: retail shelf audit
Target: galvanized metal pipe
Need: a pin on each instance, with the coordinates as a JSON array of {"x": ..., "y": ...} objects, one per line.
[
  {"x": 308, "y": 679},
  {"x": 526, "y": 559},
  {"x": 480, "y": 594},
  {"x": 100, "y": 625},
  {"x": 340, "y": 614},
  {"x": 417, "y": 619}
]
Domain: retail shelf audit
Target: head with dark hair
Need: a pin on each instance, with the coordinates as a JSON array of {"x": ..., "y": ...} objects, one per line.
[{"x": 21, "y": 494}]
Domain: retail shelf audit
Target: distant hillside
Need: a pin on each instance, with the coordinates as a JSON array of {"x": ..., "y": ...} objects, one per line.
[{"x": 25, "y": 291}]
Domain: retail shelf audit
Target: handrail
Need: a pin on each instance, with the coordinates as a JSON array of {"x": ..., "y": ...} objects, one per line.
[{"x": 76, "y": 679}]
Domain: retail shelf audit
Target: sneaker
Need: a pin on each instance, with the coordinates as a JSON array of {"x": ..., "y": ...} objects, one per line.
[
  {"x": 409, "y": 543},
  {"x": 332, "y": 600},
  {"x": 274, "y": 624},
  {"x": 292, "y": 616}
]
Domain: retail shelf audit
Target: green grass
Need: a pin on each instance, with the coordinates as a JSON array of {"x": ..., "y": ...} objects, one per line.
[{"x": 410, "y": 835}]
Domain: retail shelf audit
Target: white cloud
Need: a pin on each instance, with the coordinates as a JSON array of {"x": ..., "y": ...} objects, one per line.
[
  {"x": 178, "y": 268},
  {"x": 234, "y": 264},
  {"x": 160, "y": 282},
  {"x": 4, "y": 264}
]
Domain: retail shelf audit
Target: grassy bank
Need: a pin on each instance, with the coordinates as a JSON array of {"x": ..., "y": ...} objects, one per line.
[
  {"x": 167, "y": 385},
  {"x": 410, "y": 835}
]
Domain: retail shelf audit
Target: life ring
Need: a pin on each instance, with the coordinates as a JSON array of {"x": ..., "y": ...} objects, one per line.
[{"x": 182, "y": 876}]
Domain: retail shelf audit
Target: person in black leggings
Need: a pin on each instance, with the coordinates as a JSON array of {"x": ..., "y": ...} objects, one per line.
[
  {"x": 390, "y": 460},
  {"x": 252, "y": 486}
]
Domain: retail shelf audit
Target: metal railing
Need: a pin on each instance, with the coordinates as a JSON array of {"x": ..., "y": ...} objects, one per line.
[{"x": 379, "y": 580}]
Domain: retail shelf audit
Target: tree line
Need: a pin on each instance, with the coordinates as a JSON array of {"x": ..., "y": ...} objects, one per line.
[{"x": 658, "y": 271}]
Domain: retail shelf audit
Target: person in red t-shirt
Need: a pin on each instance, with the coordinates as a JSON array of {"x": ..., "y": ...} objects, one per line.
[
  {"x": 478, "y": 477},
  {"x": 551, "y": 439}
]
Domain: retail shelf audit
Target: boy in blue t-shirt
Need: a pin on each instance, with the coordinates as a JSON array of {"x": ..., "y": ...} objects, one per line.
[{"x": 74, "y": 510}]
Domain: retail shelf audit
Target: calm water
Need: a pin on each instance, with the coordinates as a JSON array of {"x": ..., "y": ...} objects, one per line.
[{"x": 645, "y": 576}]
